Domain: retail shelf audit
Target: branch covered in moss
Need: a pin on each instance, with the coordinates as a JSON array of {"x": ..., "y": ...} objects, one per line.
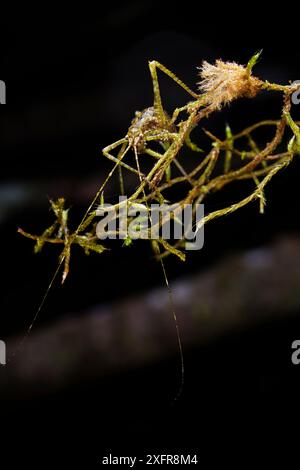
[{"x": 156, "y": 135}]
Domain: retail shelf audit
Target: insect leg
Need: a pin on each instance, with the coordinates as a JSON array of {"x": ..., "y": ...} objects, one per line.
[
  {"x": 106, "y": 152},
  {"x": 177, "y": 111},
  {"x": 160, "y": 167},
  {"x": 120, "y": 173},
  {"x": 153, "y": 65},
  {"x": 158, "y": 155}
]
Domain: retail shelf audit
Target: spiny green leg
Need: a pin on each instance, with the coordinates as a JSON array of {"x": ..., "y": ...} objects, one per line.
[
  {"x": 160, "y": 167},
  {"x": 177, "y": 111},
  {"x": 158, "y": 155},
  {"x": 156, "y": 92},
  {"x": 106, "y": 152},
  {"x": 121, "y": 180},
  {"x": 154, "y": 154},
  {"x": 184, "y": 130},
  {"x": 164, "y": 137},
  {"x": 153, "y": 65}
]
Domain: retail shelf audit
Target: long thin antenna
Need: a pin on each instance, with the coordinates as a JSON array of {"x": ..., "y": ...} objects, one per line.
[
  {"x": 171, "y": 301},
  {"x": 38, "y": 311},
  {"x": 19, "y": 347},
  {"x": 170, "y": 294}
]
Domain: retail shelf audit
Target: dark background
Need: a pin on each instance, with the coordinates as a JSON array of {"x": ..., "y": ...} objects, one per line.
[{"x": 74, "y": 80}]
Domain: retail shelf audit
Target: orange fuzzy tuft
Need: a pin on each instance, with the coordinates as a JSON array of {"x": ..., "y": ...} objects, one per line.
[{"x": 226, "y": 81}]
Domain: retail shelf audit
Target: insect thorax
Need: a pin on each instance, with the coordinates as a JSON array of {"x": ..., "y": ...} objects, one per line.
[{"x": 145, "y": 124}]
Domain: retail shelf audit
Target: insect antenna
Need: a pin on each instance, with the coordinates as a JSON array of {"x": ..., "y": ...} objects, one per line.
[
  {"x": 63, "y": 257},
  {"x": 170, "y": 294}
]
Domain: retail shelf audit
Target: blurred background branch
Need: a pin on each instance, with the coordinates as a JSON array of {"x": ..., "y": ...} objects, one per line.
[{"x": 237, "y": 292}]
